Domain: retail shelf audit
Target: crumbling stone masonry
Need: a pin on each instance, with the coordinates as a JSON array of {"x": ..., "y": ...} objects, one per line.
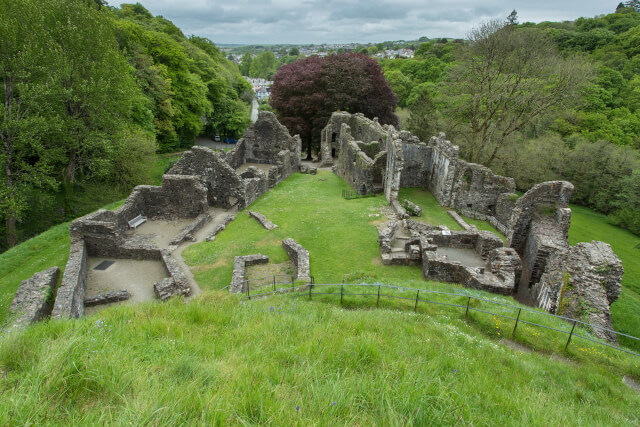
[
  {"x": 240, "y": 264},
  {"x": 581, "y": 283},
  {"x": 300, "y": 258},
  {"x": 107, "y": 298},
  {"x": 266, "y": 142},
  {"x": 356, "y": 145},
  {"x": 536, "y": 224},
  {"x": 33, "y": 301}
]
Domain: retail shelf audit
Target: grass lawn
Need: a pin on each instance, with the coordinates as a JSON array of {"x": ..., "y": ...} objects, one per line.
[
  {"x": 432, "y": 212},
  {"x": 288, "y": 361},
  {"x": 339, "y": 234}
]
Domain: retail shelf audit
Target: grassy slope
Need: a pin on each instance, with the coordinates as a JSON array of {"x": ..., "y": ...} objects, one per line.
[{"x": 287, "y": 361}]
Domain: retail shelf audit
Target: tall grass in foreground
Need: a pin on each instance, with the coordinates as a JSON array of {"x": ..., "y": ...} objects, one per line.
[{"x": 286, "y": 361}]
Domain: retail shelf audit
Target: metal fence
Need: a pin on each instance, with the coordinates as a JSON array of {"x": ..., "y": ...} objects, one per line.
[
  {"x": 351, "y": 194},
  {"x": 517, "y": 316},
  {"x": 279, "y": 282}
]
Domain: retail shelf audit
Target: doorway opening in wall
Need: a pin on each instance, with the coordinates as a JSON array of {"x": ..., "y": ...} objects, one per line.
[
  {"x": 333, "y": 153},
  {"x": 377, "y": 180}
]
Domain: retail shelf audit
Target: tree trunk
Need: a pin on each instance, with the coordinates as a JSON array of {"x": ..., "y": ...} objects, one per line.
[
  {"x": 10, "y": 231},
  {"x": 70, "y": 170},
  {"x": 309, "y": 157}
]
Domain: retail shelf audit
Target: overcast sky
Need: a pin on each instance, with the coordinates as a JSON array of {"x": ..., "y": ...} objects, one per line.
[{"x": 342, "y": 21}]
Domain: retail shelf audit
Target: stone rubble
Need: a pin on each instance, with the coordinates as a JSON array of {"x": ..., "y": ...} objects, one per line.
[
  {"x": 167, "y": 288},
  {"x": 411, "y": 208}
]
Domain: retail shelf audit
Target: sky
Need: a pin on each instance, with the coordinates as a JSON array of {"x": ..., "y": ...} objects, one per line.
[{"x": 361, "y": 21}]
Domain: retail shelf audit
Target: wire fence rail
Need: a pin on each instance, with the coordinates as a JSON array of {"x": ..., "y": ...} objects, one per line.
[{"x": 516, "y": 312}]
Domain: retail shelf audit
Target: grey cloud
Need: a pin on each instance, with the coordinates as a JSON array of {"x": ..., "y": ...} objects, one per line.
[{"x": 334, "y": 21}]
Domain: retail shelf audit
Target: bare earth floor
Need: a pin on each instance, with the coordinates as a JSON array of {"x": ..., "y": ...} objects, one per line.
[
  {"x": 161, "y": 232},
  {"x": 467, "y": 257},
  {"x": 137, "y": 277}
]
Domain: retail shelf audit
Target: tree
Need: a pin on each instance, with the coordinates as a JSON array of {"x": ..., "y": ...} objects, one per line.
[
  {"x": 505, "y": 78},
  {"x": 294, "y": 51},
  {"x": 305, "y": 93},
  {"x": 28, "y": 73},
  {"x": 263, "y": 65},
  {"x": 245, "y": 63},
  {"x": 512, "y": 19}
]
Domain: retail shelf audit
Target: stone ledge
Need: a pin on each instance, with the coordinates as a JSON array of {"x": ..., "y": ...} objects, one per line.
[
  {"x": 107, "y": 298},
  {"x": 187, "y": 232},
  {"x": 263, "y": 220},
  {"x": 458, "y": 219},
  {"x": 32, "y": 301}
]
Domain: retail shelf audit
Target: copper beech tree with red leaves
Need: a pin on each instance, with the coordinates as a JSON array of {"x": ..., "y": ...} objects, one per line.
[{"x": 306, "y": 92}]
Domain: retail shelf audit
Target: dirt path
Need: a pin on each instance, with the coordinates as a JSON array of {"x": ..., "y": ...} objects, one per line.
[{"x": 219, "y": 217}]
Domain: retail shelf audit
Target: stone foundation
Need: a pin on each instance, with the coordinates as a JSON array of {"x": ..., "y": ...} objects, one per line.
[
  {"x": 33, "y": 301},
  {"x": 300, "y": 258},
  {"x": 240, "y": 264}
]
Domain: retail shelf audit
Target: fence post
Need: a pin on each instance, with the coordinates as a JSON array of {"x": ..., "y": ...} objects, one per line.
[
  {"x": 570, "y": 335},
  {"x": 513, "y": 334},
  {"x": 341, "y": 293},
  {"x": 378, "y": 301},
  {"x": 467, "y": 312},
  {"x": 274, "y": 283},
  {"x": 309, "y": 292},
  {"x": 291, "y": 282},
  {"x": 416, "y": 306},
  {"x": 248, "y": 289}
]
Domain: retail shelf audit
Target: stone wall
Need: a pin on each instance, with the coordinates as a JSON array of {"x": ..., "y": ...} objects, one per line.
[
  {"x": 265, "y": 142},
  {"x": 581, "y": 283},
  {"x": 224, "y": 186},
  {"x": 353, "y": 165},
  {"x": 69, "y": 301},
  {"x": 361, "y": 129},
  {"x": 393, "y": 173},
  {"x": 547, "y": 196},
  {"x": 300, "y": 258},
  {"x": 438, "y": 268},
  {"x": 240, "y": 264},
  {"x": 33, "y": 301}
]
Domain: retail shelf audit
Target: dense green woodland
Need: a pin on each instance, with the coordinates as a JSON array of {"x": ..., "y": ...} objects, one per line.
[
  {"x": 90, "y": 93},
  {"x": 589, "y": 133}
]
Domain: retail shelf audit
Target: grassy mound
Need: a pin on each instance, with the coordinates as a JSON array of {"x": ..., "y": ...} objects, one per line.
[{"x": 287, "y": 361}]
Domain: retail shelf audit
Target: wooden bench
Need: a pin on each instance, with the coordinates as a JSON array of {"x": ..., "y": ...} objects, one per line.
[{"x": 135, "y": 222}]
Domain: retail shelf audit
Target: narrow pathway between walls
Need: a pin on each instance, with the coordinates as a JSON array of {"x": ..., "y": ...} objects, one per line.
[{"x": 219, "y": 217}]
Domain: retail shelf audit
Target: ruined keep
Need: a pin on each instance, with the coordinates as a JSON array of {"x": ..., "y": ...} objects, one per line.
[{"x": 536, "y": 224}]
